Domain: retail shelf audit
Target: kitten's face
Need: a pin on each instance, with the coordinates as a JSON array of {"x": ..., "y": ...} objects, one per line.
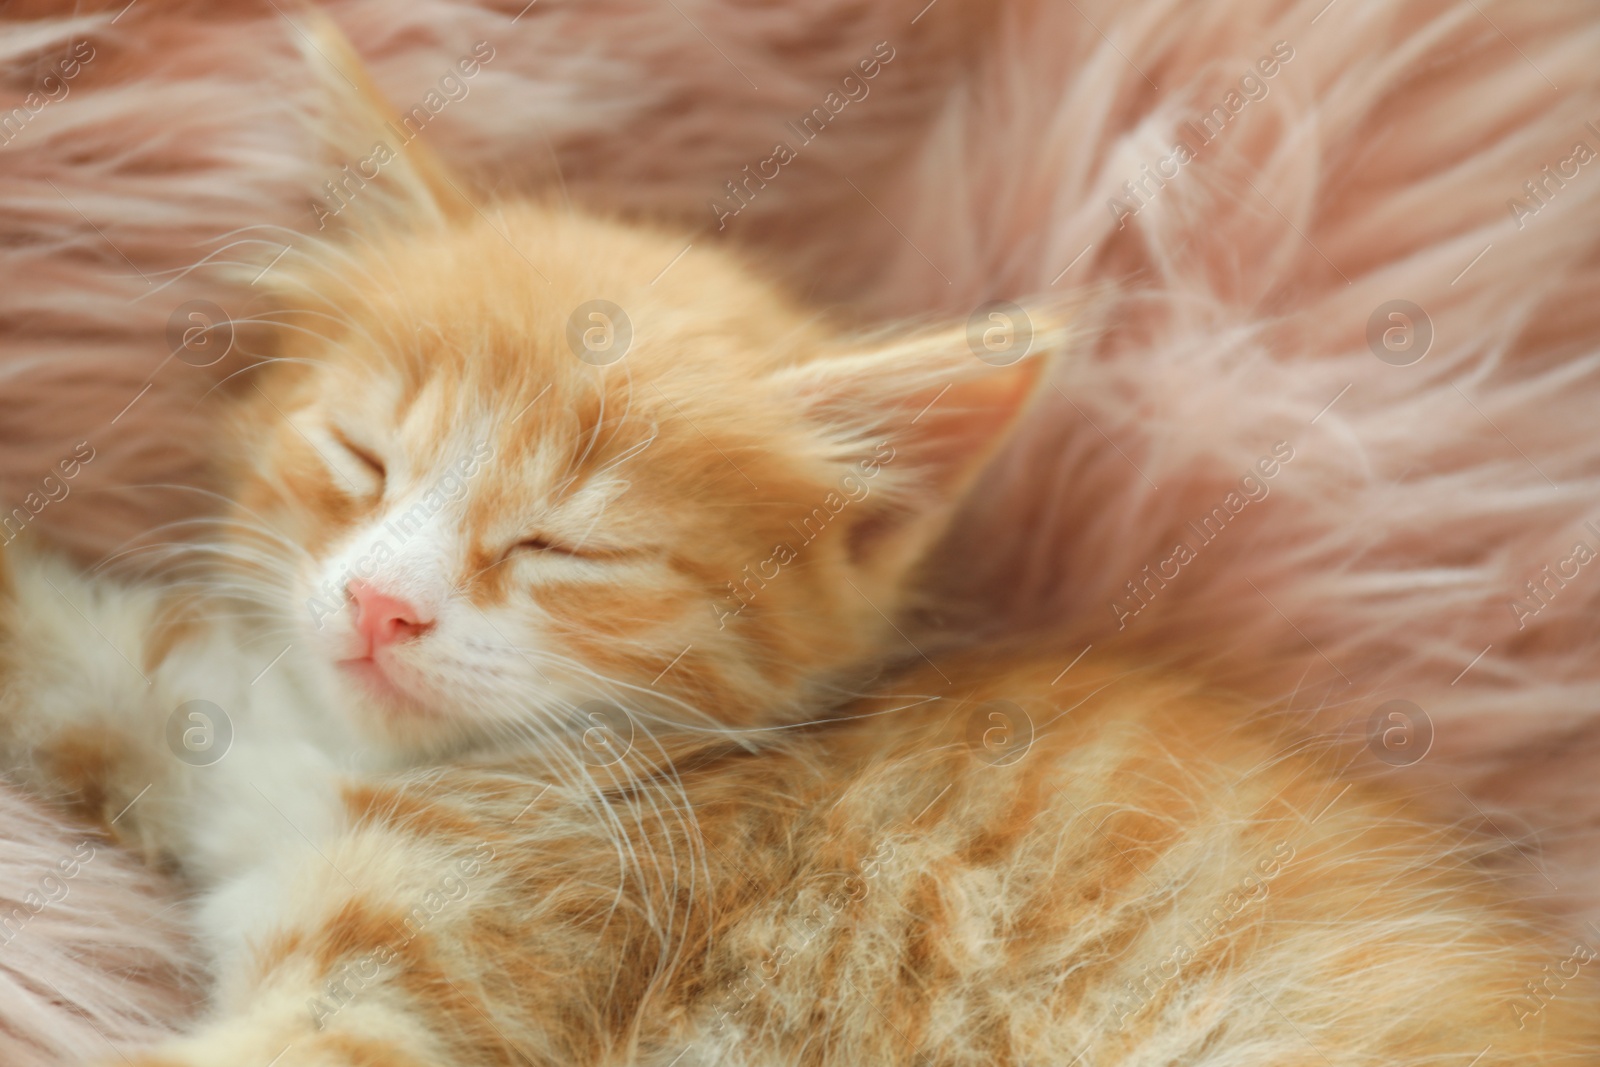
[{"x": 492, "y": 532}]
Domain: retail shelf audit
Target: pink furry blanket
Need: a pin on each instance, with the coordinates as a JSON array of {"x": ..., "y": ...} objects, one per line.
[{"x": 1337, "y": 445}]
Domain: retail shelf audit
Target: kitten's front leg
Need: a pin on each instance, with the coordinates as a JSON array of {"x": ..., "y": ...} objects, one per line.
[
  {"x": 403, "y": 940},
  {"x": 85, "y": 704}
]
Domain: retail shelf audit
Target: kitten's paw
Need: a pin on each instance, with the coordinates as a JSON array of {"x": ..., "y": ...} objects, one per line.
[
  {"x": 80, "y": 714},
  {"x": 192, "y": 1054},
  {"x": 247, "y": 1046}
]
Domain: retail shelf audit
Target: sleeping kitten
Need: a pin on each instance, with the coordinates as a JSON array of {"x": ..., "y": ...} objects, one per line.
[{"x": 547, "y": 704}]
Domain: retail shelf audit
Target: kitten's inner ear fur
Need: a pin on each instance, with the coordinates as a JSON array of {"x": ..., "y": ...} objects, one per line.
[
  {"x": 943, "y": 411},
  {"x": 413, "y": 187}
]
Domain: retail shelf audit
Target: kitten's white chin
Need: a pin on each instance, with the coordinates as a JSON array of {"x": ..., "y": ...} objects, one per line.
[{"x": 382, "y": 694}]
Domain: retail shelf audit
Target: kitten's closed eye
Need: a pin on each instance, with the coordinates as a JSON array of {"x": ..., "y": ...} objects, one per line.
[
  {"x": 538, "y": 544},
  {"x": 365, "y": 455},
  {"x": 541, "y": 544},
  {"x": 369, "y": 461}
]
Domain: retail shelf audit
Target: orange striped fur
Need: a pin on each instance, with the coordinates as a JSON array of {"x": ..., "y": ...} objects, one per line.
[
  {"x": 873, "y": 890},
  {"x": 661, "y": 781}
]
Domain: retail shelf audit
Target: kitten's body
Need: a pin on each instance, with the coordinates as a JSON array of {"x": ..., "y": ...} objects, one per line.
[
  {"x": 783, "y": 851},
  {"x": 1128, "y": 872}
]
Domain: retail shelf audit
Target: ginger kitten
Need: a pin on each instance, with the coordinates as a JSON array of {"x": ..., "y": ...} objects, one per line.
[{"x": 594, "y": 737}]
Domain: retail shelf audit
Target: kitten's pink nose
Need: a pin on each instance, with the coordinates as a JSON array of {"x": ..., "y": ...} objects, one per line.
[{"x": 383, "y": 619}]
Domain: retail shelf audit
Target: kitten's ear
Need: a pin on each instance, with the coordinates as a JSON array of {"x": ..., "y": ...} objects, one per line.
[
  {"x": 380, "y": 173},
  {"x": 917, "y": 418}
]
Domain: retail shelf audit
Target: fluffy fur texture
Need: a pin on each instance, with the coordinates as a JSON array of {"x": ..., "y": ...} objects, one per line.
[
  {"x": 1388, "y": 146},
  {"x": 986, "y": 863},
  {"x": 700, "y": 529},
  {"x": 92, "y": 945}
]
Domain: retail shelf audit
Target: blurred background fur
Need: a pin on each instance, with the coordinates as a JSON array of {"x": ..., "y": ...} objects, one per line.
[{"x": 1439, "y": 152}]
